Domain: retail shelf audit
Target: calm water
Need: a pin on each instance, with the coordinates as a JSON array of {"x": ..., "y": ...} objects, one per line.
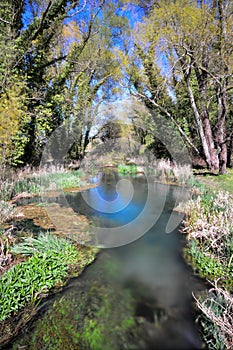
[{"x": 136, "y": 295}]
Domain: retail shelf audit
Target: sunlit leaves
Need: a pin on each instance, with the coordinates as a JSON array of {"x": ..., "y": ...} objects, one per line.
[{"x": 12, "y": 113}]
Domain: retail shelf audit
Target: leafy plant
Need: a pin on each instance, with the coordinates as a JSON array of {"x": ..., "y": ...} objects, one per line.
[
  {"x": 127, "y": 169},
  {"x": 44, "y": 243},
  {"x": 48, "y": 265}
]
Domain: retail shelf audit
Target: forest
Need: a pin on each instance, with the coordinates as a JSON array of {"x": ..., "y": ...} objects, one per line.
[{"x": 61, "y": 61}]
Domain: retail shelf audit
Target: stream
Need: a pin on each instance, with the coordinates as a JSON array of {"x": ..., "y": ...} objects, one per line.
[{"x": 138, "y": 292}]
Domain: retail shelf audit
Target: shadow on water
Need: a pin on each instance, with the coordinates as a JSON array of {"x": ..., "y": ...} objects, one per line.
[{"x": 135, "y": 296}]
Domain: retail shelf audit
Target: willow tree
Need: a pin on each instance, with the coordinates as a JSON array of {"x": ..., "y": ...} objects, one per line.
[{"x": 188, "y": 43}]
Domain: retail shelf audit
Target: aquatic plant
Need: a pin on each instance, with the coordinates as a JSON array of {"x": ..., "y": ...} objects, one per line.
[{"x": 95, "y": 319}]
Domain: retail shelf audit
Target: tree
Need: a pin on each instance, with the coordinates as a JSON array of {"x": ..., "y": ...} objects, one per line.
[
  {"x": 62, "y": 53},
  {"x": 190, "y": 44}
]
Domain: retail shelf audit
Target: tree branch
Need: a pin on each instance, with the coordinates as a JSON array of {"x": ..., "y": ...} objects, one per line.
[
  {"x": 41, "y": 21},
  {"x": 169, "y": 115}
]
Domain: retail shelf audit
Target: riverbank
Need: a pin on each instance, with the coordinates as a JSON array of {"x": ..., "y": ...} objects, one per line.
[
  {"x": 32, "y": 267},
  {"x": 209, "y": 229},
  {"x": 202, "y": 215}
]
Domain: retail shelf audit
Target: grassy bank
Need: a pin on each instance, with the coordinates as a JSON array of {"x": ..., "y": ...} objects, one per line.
[
  {"x": 209, "y": 228},
  {"x": 47, "y": 262},
  {"x": 32, "y": 268}
]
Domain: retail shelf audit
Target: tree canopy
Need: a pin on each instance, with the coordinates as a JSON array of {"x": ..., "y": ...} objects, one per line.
[{"x": 61, "y": 59}]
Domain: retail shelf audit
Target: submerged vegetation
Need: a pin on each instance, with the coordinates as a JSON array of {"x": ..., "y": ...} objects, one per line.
[{"x": 102, "y": 317}]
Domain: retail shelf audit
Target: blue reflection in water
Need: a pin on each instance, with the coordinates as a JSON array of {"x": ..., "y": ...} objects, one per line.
[{"x": 112, "y": 204}]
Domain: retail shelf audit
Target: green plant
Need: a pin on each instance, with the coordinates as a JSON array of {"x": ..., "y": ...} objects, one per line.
[
  {"x": 210, "y": 251},
  {"x": 47, "y": 266},
  {"x": 127, "y": 169},
  {"x": 45, "y": 243},
  {"x": 24, "y": 282},
  {"x": 47, "y": 181}
]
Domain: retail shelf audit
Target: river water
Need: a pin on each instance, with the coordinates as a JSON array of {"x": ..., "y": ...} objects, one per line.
[{"x": 138, "y": 292}]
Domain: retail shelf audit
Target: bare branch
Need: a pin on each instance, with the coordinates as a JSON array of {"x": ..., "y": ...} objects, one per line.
[
  {"x": 42, "y": 21},
  {"x": 78, "y": 11},
  {"x": 4, "y": 21},
  {"x": 165, "y": 111}
]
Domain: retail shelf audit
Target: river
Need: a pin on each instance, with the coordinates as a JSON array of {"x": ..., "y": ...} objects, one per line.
[{"x": 138, "y": 292}]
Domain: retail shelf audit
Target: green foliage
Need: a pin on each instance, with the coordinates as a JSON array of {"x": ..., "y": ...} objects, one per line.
[
  {"x": 46, "y": 267},
  {"x": 12, "y": 116},
  {"x": 127, "y": 169},
  {"x": 99, "y": 318},
  {"x": 209, "y": 266},
  {"x": 210, "y": 251},
  {"x": 24, "y": 282},
  {"x": 44, "y": 243},
  {"x": 65, "y": 66},
  {"x": 210, "y": 243}
]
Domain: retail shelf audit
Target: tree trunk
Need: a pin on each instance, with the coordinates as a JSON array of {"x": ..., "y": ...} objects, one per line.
[
  {"x": 209, "y": 156},
  {"x": 220, "y": 128},
  {"x": 230, "y": 152}
]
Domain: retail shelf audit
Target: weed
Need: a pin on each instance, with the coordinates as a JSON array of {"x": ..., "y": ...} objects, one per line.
[{"x": 7, "y": 211}]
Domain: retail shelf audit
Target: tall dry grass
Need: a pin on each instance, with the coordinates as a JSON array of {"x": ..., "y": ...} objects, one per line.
[{"x": 209, "y": 228}]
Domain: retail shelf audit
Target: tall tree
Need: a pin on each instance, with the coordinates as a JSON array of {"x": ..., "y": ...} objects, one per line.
[
  {"x": 61, "y": 53},
  {"x": 187, "y": 43}
]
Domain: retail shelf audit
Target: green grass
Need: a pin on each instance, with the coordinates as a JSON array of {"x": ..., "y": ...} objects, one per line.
[
  {"x": 210, "y": 251},
  {"x": 218, "y": 182},
  {"x": 47, "y": 181}
]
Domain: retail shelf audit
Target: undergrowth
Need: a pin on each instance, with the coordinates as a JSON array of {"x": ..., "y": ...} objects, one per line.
[
  {"x": 47, "y": 266},
  {"x": 209, "y": 224}
]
